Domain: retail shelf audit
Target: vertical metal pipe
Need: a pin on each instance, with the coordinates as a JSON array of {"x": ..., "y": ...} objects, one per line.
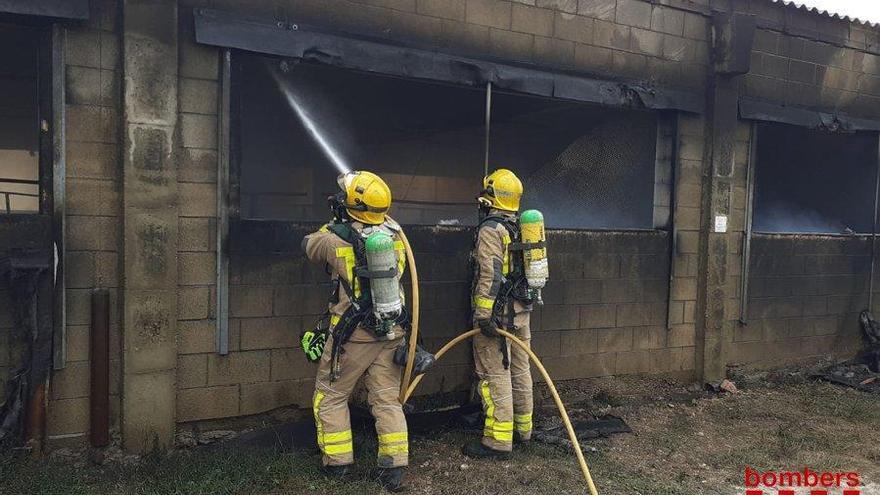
[
  {"x": 874, "y": 230},
  {"x": 99, "y": 398},
  {"x": 747, "y": 235},
  {"x": 222, "y": 279},
  {"x": 488, "y": 127}
]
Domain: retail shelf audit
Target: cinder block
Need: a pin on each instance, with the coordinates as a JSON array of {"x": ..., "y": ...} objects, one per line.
[
  {"x": 83, "y": 85},
  {"x": 667, "y": 20},
  {"x": 90, "y": 233},
  {"x": 92, "y": 160},
  {"x": 647, "y": 42},
  {"x": 207, "y": 403},
  {"x": 150, "y": 344},
  {"x": 642, "y": 361},
  {"x": 598, "y": 9},
  {"x": 681, "y": 336},
  {"x": 582, "y": 292},
  {"x": 262, "y": 397},
  {"x": 197, "y": 96},
  {"x": 409, "y": 27},
  {"x": 614, "y": 339},
  {"x": 611, "y": 35},
  {"x": 198, "y": 131},
  {"x": 196, "y": 268},
  {"x": 567, "y": 6},
  {"x": 630, "y": 64},
  {"x": 70, "y": 382},
  {"x": 560, "y": 317},
  {"x": 405, "y": 5},
  {"x": 68, "y": 416},
  {"x": 633, "y": 13},
  {"x": 83, "y": 47},
  {"x": 92, "y": 197},
  {"x": 148, "y": 411},
  {"x": 649, "y": 337},
  {"x": 79, "y": 269},
  {"x": 270, "y": 333},
  {"x": 593, "y": 58},
  {"x": 575, "y": 28},
  {"x": 192, "y": 370},
  {"x": 511, "y": 45},
  {"x": 598, "y": 316},
  {"x": 468, "y": 38},
  {"x": 77, "y": 344},
  {"x": 641, "y": 314},
  {"x": 250, "y": 301},
  {"x": 238, "y": 367},
  {"x": 109, "y": 51},
  {"x": 572, "y": 367},
  {"x": 196, "y": 336},
  {"x": 197, "y": 199},
  {"x": 448, "y": 9},
  {"x": 554, "y": 52},
  {"x": 532, "y": 20},
  {"x": 91, "y": 123},
  {"x": 192, "y": 303},
  {"x": 106, "y": 269},
  {"x": 291, "y": 364},
  {"x": 196, "y": 234},
  {"x": 695, "y": 26},
  {"x": 547, "y": 345},
  {"x": 579, "y": 342},
  {"x": 199, "y": 61},
  {"x": 494, "y": 13}
]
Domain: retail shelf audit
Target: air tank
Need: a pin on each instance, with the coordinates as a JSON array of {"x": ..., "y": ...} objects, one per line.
[
  {"x": 537, "y": 271},
  {"x": 384, "y": 287}
]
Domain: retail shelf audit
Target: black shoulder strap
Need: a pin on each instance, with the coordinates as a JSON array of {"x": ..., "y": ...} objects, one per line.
[{"x": 511, "y": 225}]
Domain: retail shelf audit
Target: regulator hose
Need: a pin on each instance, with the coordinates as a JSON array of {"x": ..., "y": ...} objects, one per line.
[
  {"x": 537, "y": 362},
  {"x": 414, "y": 314}
]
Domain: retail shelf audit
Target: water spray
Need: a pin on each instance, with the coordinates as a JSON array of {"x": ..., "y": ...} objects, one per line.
[{"x": 295, "y": 102}]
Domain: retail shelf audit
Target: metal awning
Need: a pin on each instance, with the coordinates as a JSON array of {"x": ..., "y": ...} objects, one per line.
[
  {"x": 753, "y": 109},
  {"x": 63, "y": 9},
  {"x": 218, "y": 28}
]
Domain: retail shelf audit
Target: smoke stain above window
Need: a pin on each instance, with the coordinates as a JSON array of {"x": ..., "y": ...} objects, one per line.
[
  {"x": 811, "y": 181},
  {"x": 299, "y": 125}
]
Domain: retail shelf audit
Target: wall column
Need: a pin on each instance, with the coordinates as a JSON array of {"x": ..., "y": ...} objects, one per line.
[{"x": 150, "y": 211}]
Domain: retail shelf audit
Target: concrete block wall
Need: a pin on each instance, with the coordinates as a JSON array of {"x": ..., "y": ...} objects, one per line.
[
  {"x": 805, "y": 295},
  {"x": 634, "y": 39},
  {"x": 813, "y": 61},
  {"x": 94, "y": 215}
]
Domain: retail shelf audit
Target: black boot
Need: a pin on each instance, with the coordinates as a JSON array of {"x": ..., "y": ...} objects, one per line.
[
  {"x": 476, "y": 450},
  {"x": 518, "y": 439},
  {"x": 391, "y": 479},
  {"x": 337, "y": 472}
]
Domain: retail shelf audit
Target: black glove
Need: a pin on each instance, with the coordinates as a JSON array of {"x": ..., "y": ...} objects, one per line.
[{"x": 488, "y": 328}]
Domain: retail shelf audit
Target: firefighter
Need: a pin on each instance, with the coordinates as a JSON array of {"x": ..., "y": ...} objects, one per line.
[
  {"x": 500, "y": 299},
  {"x": 359, "y": 344}
]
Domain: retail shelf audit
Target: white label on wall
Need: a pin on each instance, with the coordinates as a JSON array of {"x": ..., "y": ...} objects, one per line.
[{"x": 720, "y": 224}]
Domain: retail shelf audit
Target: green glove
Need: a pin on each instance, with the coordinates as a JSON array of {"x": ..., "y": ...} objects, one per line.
[{"x": 313, "y": 344}]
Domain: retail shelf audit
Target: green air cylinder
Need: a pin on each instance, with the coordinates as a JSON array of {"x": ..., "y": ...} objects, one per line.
[
  {"x": 384, "y": 279},
  {"x": 531, "y": 225}
]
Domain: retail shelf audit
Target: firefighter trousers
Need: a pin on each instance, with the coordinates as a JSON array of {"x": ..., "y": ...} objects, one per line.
[
  {"x": 374, "y": 361},
  {"x": 506, "y": 393}
]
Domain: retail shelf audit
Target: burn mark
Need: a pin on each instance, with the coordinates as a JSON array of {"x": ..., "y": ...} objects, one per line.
[
  {"x": 150, "y": 153},
  {"x": 153, "y": 239},
  {"x": 152, "y": 322}
]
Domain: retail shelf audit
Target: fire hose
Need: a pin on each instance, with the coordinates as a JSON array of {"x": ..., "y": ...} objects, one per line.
[{"x": 407, "y": 387}]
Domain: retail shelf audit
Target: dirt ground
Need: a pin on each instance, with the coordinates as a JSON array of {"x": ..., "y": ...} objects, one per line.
[{"x": 685, "y": 442}]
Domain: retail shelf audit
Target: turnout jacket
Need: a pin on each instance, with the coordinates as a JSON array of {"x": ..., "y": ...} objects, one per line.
[
  {"x": 493, "y": 262},
  {"x": 325, "y": 247}
]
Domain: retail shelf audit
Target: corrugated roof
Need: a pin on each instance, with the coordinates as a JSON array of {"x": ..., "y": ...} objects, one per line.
[{"x": 833, "y": 15}]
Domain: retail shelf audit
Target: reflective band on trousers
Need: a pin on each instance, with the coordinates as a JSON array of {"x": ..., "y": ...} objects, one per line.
[
  {"x": 394, "y": 443},
  {"x": 483, "y": 302},
  {"x": 523, "y": 422},
  {"x": 347, "y": 254},
  {"x": 335, "y": 443},
  {"x": 501, "y": 431}
]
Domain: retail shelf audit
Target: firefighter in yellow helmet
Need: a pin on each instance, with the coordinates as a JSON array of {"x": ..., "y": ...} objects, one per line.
[
  {"x": 500, "y": 299},
  {"x": 361, "y": 341}
]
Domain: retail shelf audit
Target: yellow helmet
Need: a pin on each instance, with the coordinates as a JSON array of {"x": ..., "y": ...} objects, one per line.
[
  {"x": 367, "y": 196},
  {"x": 502, "y": 189}
]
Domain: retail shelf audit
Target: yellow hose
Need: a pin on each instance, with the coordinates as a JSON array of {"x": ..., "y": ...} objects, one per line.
[
  {"x": 559, "y": 405},
  {"x": 414, "y": 334}
]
